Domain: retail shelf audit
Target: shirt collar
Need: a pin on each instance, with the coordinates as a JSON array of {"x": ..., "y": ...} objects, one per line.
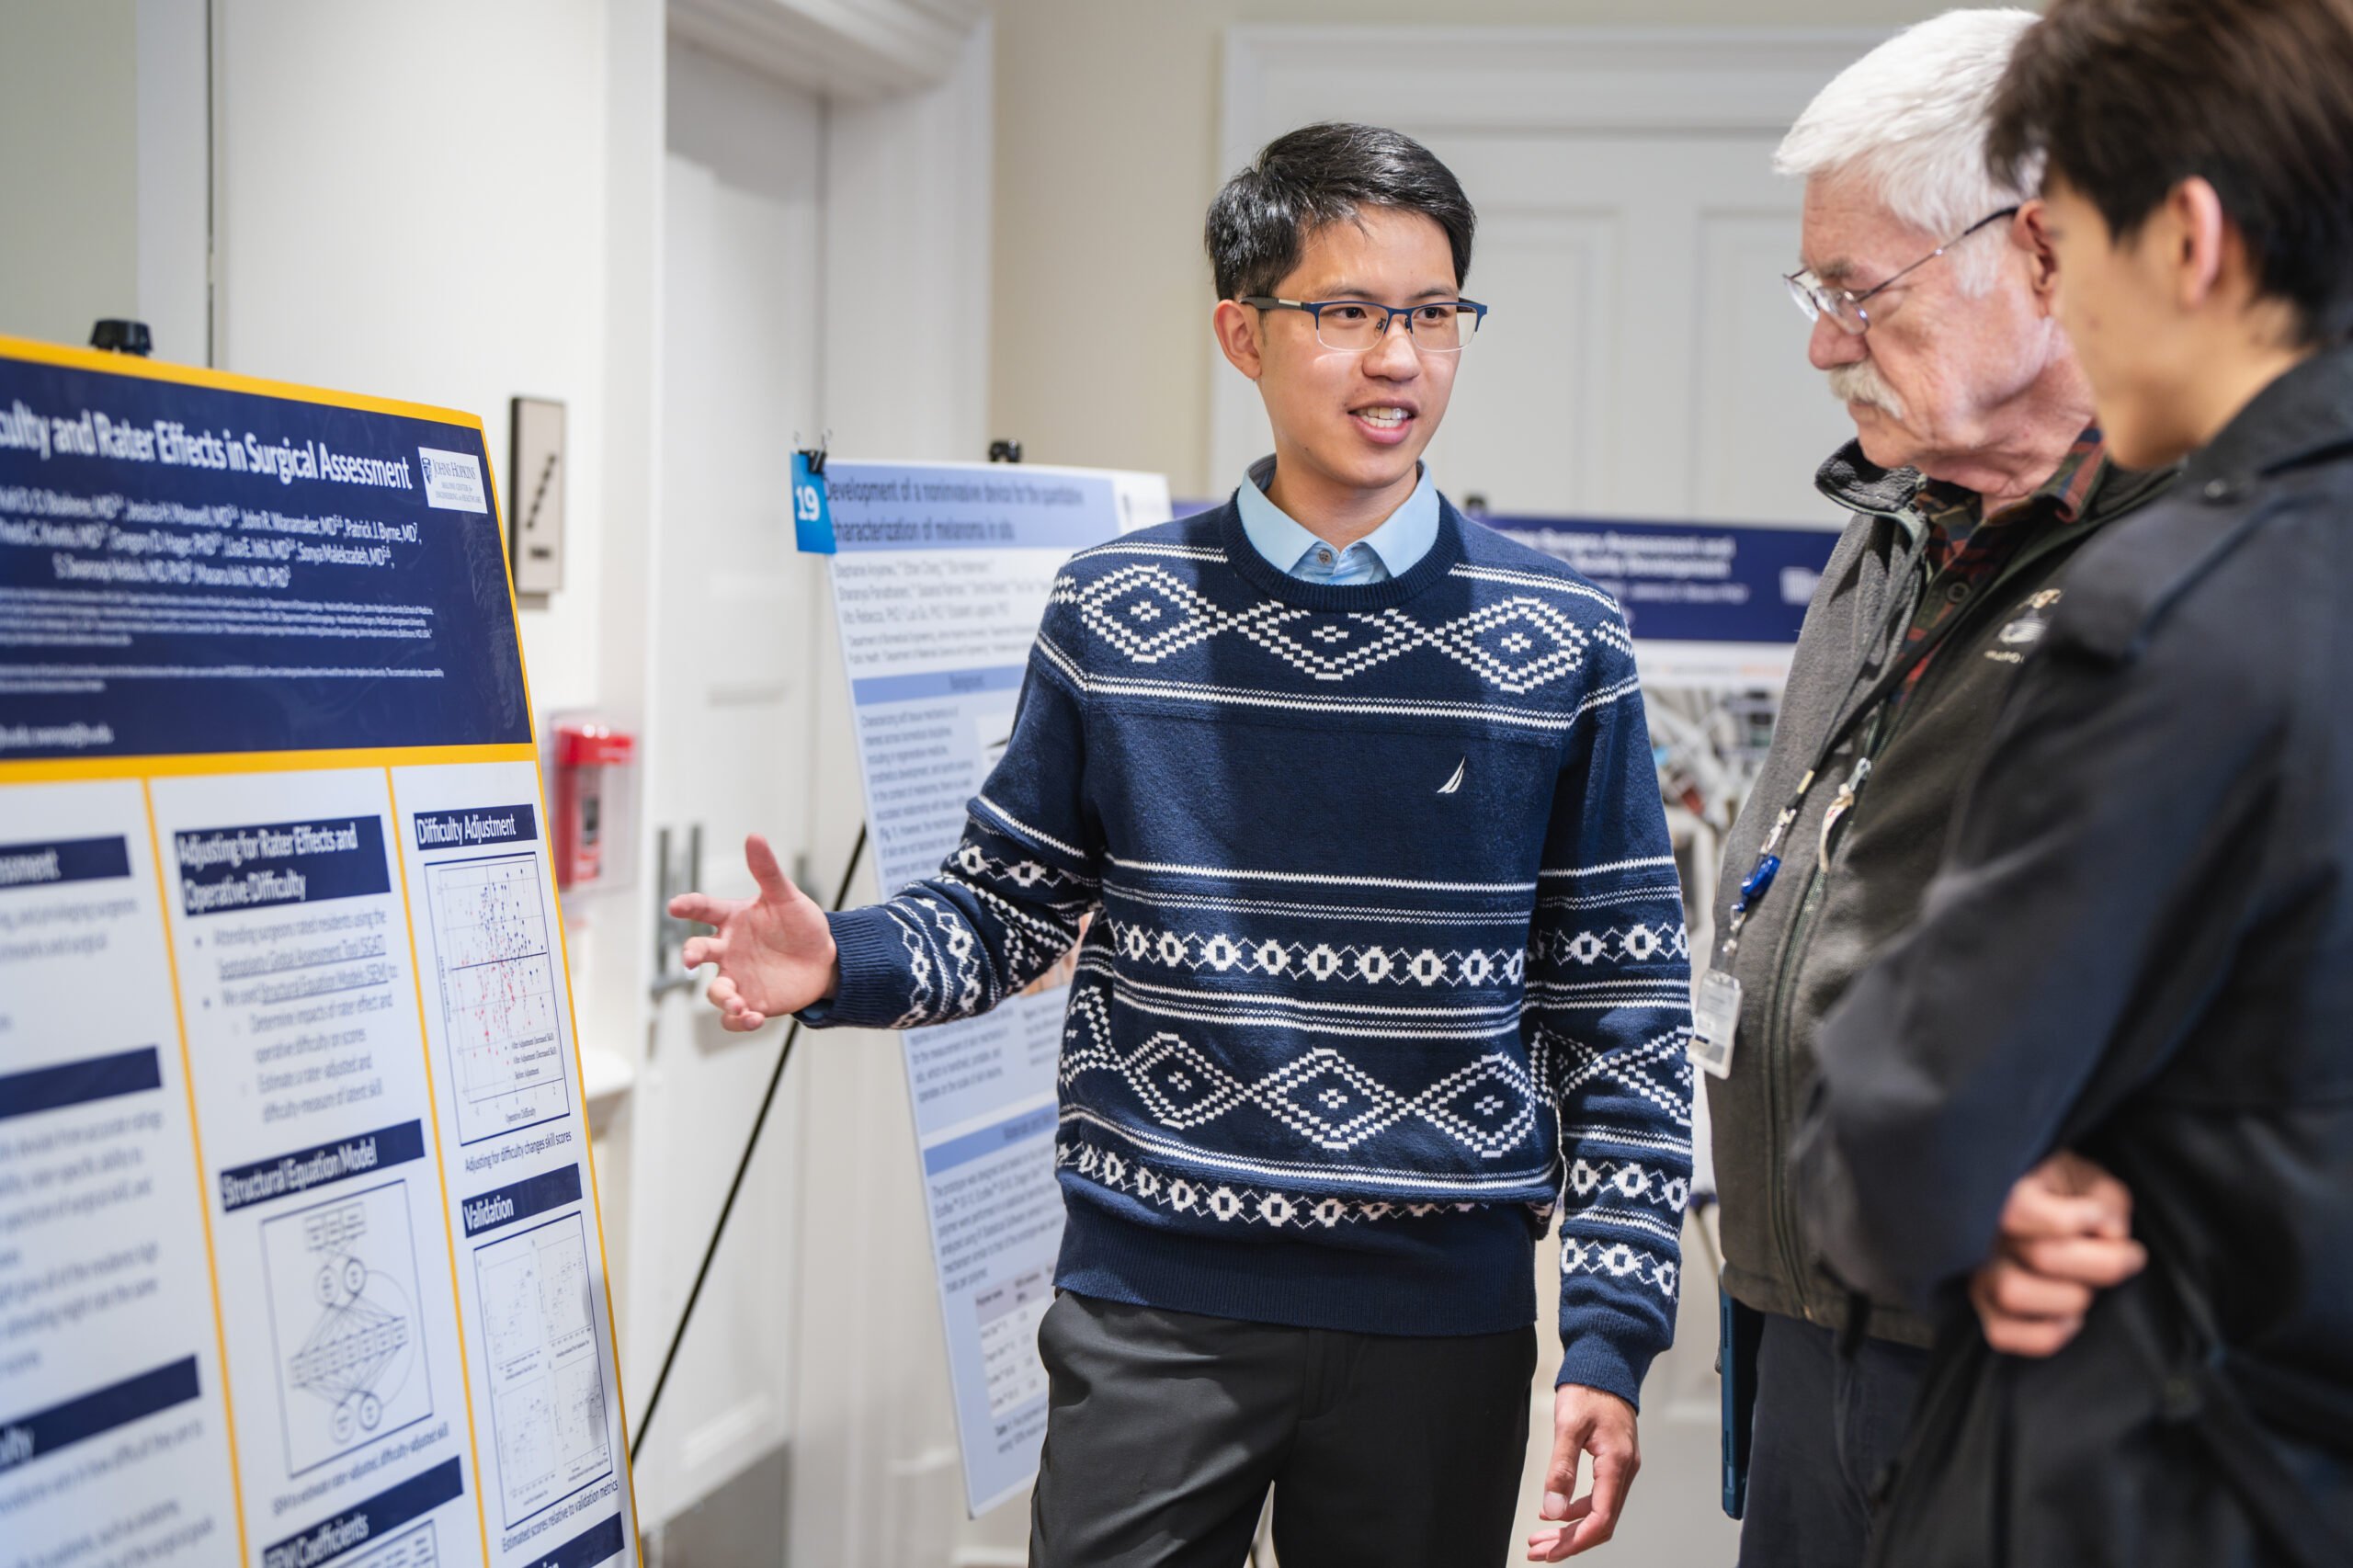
[
  {"x": 1958, "y": 513},
  {"x": 1401, "y": 539},
  {"x": 1858, "y": 485}
]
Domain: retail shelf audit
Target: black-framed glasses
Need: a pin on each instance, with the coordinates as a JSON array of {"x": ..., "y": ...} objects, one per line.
[
  {"x": 1351, "y": 327},
  {"x": 1818, "y": 299}
]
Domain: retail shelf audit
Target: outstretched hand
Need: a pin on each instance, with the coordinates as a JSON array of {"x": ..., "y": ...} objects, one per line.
[
  {"x": 1585, "y": 1421},
  {"x": 775, "y": 952}
]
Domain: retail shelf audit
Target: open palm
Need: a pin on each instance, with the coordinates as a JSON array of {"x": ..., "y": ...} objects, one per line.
[{"x": 775, "y": 952}]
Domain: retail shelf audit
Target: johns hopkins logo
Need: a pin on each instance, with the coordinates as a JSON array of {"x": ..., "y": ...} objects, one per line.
[{"x": 452, "y": 480}]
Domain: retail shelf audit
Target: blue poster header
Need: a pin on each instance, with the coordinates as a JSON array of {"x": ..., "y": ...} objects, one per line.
[
  {"x": 66, "y": 861},
  {"x": 372, "y": 1520},
  {"x": 277, "y": 863},
  {"x": 486, "y": 824},
  {"x": 1681, "y": 582},
  {"x": 80, "y": 1083},
  {"x": 959, "y": 506},
  {"x": 190, "y": 569},
  {"x": 1690, "y": 582},
  {"x": 521, "y": 1201},
  {"x": 322, "y": 1164},
  {"x": 989, "y": 1139},
  {"x": 39, "y": 1433}
]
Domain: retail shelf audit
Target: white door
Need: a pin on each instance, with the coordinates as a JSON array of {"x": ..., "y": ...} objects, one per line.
[
  {"x": 1644, "y": 358},
  {"x": 734, "y": 627}
]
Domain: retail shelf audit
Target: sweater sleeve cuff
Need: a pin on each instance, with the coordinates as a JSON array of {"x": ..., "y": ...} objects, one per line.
[
  {"x": 867, "y": 994},
  {"x": 1614, "y": 1359}
]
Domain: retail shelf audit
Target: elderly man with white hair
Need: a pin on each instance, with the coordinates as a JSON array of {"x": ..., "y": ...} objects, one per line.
[{"x": 1975, "y": 475}]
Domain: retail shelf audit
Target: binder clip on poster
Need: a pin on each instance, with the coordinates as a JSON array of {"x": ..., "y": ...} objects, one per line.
[{"x": 812, "y": 514}]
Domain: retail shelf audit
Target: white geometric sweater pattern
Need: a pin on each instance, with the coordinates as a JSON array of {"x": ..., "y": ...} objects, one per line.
[{"x": 1381, "y": 918}]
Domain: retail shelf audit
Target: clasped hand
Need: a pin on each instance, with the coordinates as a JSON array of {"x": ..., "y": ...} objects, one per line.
[{"x": 2066, "y": 1235}]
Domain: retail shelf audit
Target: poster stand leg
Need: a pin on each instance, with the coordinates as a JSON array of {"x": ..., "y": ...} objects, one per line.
[{"x": 751, "y": 1145}]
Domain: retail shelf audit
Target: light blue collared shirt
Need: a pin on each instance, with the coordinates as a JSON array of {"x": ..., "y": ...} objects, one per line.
[{"x": 1389, "y": 551}]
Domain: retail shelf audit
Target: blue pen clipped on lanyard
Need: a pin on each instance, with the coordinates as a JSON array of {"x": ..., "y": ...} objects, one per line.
[{"x": 1715, "y": 1008}]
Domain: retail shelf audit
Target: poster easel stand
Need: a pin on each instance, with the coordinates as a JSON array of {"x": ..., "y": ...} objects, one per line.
[{"x": 742, "y": 1166}]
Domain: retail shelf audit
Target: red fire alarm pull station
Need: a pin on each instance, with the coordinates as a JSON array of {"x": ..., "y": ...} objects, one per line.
[{"x": 585, "y": 796}]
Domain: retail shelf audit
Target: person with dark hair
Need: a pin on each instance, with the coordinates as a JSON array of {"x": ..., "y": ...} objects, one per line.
[
  {"x": 1386, "y": 962},
  {"x": 2137, "y": 945}
]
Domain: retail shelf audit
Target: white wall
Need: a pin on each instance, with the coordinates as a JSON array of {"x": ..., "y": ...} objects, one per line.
[
  {"x": 102, "y": 112},
  {"x": 1106, "y": 157},
  {"x": 410, "y": 203},
  {"x": 67, "y": 110}
]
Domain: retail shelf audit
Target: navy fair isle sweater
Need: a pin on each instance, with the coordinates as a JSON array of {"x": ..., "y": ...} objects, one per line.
[{"x": 1386, "y": 960}]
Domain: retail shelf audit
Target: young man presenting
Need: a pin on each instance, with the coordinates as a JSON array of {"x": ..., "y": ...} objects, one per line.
[{"x": 1387, "y": 959}]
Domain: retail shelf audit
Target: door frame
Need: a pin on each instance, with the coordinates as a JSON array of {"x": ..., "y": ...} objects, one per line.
[
  {"x": 907, "y": 168},
  {"x": 1492, "y": 81}
]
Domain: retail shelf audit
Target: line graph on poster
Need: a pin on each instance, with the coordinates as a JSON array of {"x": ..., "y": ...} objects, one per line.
[
  {"x": 498, "y": 993},
  {"x": 547, "y": 1402},
  {"x": 342, "y": 1295}
]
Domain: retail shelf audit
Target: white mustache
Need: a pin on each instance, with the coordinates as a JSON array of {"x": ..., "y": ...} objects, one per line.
[{"x": 1860, "y": 382}]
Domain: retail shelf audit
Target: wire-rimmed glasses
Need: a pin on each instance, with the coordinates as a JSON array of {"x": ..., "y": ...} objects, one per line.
[{"x": 1843, "y": 306}]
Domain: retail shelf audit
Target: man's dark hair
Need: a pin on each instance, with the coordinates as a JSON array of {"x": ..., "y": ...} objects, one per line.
[
  {"x": 1260, "y": 222},
  {"x": 2126, "y": 98}
]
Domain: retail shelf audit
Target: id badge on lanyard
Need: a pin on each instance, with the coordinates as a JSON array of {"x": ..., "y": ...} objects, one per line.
[
  {"x": 1715, "y": 1006},
  {"x": 1716, "y": 1019}
]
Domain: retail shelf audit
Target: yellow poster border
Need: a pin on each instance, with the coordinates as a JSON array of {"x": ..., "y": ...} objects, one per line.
[
  {"x": 579, "y": 1066},
  {"x": 203, "y": 1172},
  {"x": 34, "y": 351},
  {"x": 210, "y": 765},
  {"x": 440, "y": 1168}
]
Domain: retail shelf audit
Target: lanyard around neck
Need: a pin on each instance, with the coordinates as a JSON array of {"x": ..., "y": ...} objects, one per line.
[{"x": 1761, "y": 877}]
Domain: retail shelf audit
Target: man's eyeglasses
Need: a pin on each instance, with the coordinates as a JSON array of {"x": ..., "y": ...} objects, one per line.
[
  {"x": 1351, "y": 327},
  {"x": 1818, "y": 299}
]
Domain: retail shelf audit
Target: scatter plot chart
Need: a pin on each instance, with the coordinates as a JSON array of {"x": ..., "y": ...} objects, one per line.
[
  {"x": 342, "y": 1292},
  {"x": 547, "y": 1400},
  {"x": 498, "y": 993}
]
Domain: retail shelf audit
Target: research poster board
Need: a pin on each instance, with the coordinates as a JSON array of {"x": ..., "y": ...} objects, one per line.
[
  {"x": 300, "y": 1264},
  {"x": 1710, "y": 605},
  {"x": 941, "y": 573}
]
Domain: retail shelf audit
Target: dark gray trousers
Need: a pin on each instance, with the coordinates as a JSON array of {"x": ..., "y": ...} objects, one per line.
[
  {"x": 1826, "y": 1425},
  {"x": 1164, "y": 1430}
]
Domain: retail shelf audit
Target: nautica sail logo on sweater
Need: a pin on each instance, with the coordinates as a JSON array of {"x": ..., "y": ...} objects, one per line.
[{"x": 1451, "y": 785}]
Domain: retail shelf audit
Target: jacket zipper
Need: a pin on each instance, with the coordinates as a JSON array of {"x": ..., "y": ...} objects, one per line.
[
  {"x": 1782, "y": 1210},
  {"x": 1779, "y": 1089},
  {"x": 1780, "y": 1214}
]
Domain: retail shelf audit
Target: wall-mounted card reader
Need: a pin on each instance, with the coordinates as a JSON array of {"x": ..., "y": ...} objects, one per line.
[{"x": 535, "y": 474}]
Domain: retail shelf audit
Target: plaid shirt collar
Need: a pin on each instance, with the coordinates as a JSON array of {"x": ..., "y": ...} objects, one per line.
[{"x": 1955, "y": 518}]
